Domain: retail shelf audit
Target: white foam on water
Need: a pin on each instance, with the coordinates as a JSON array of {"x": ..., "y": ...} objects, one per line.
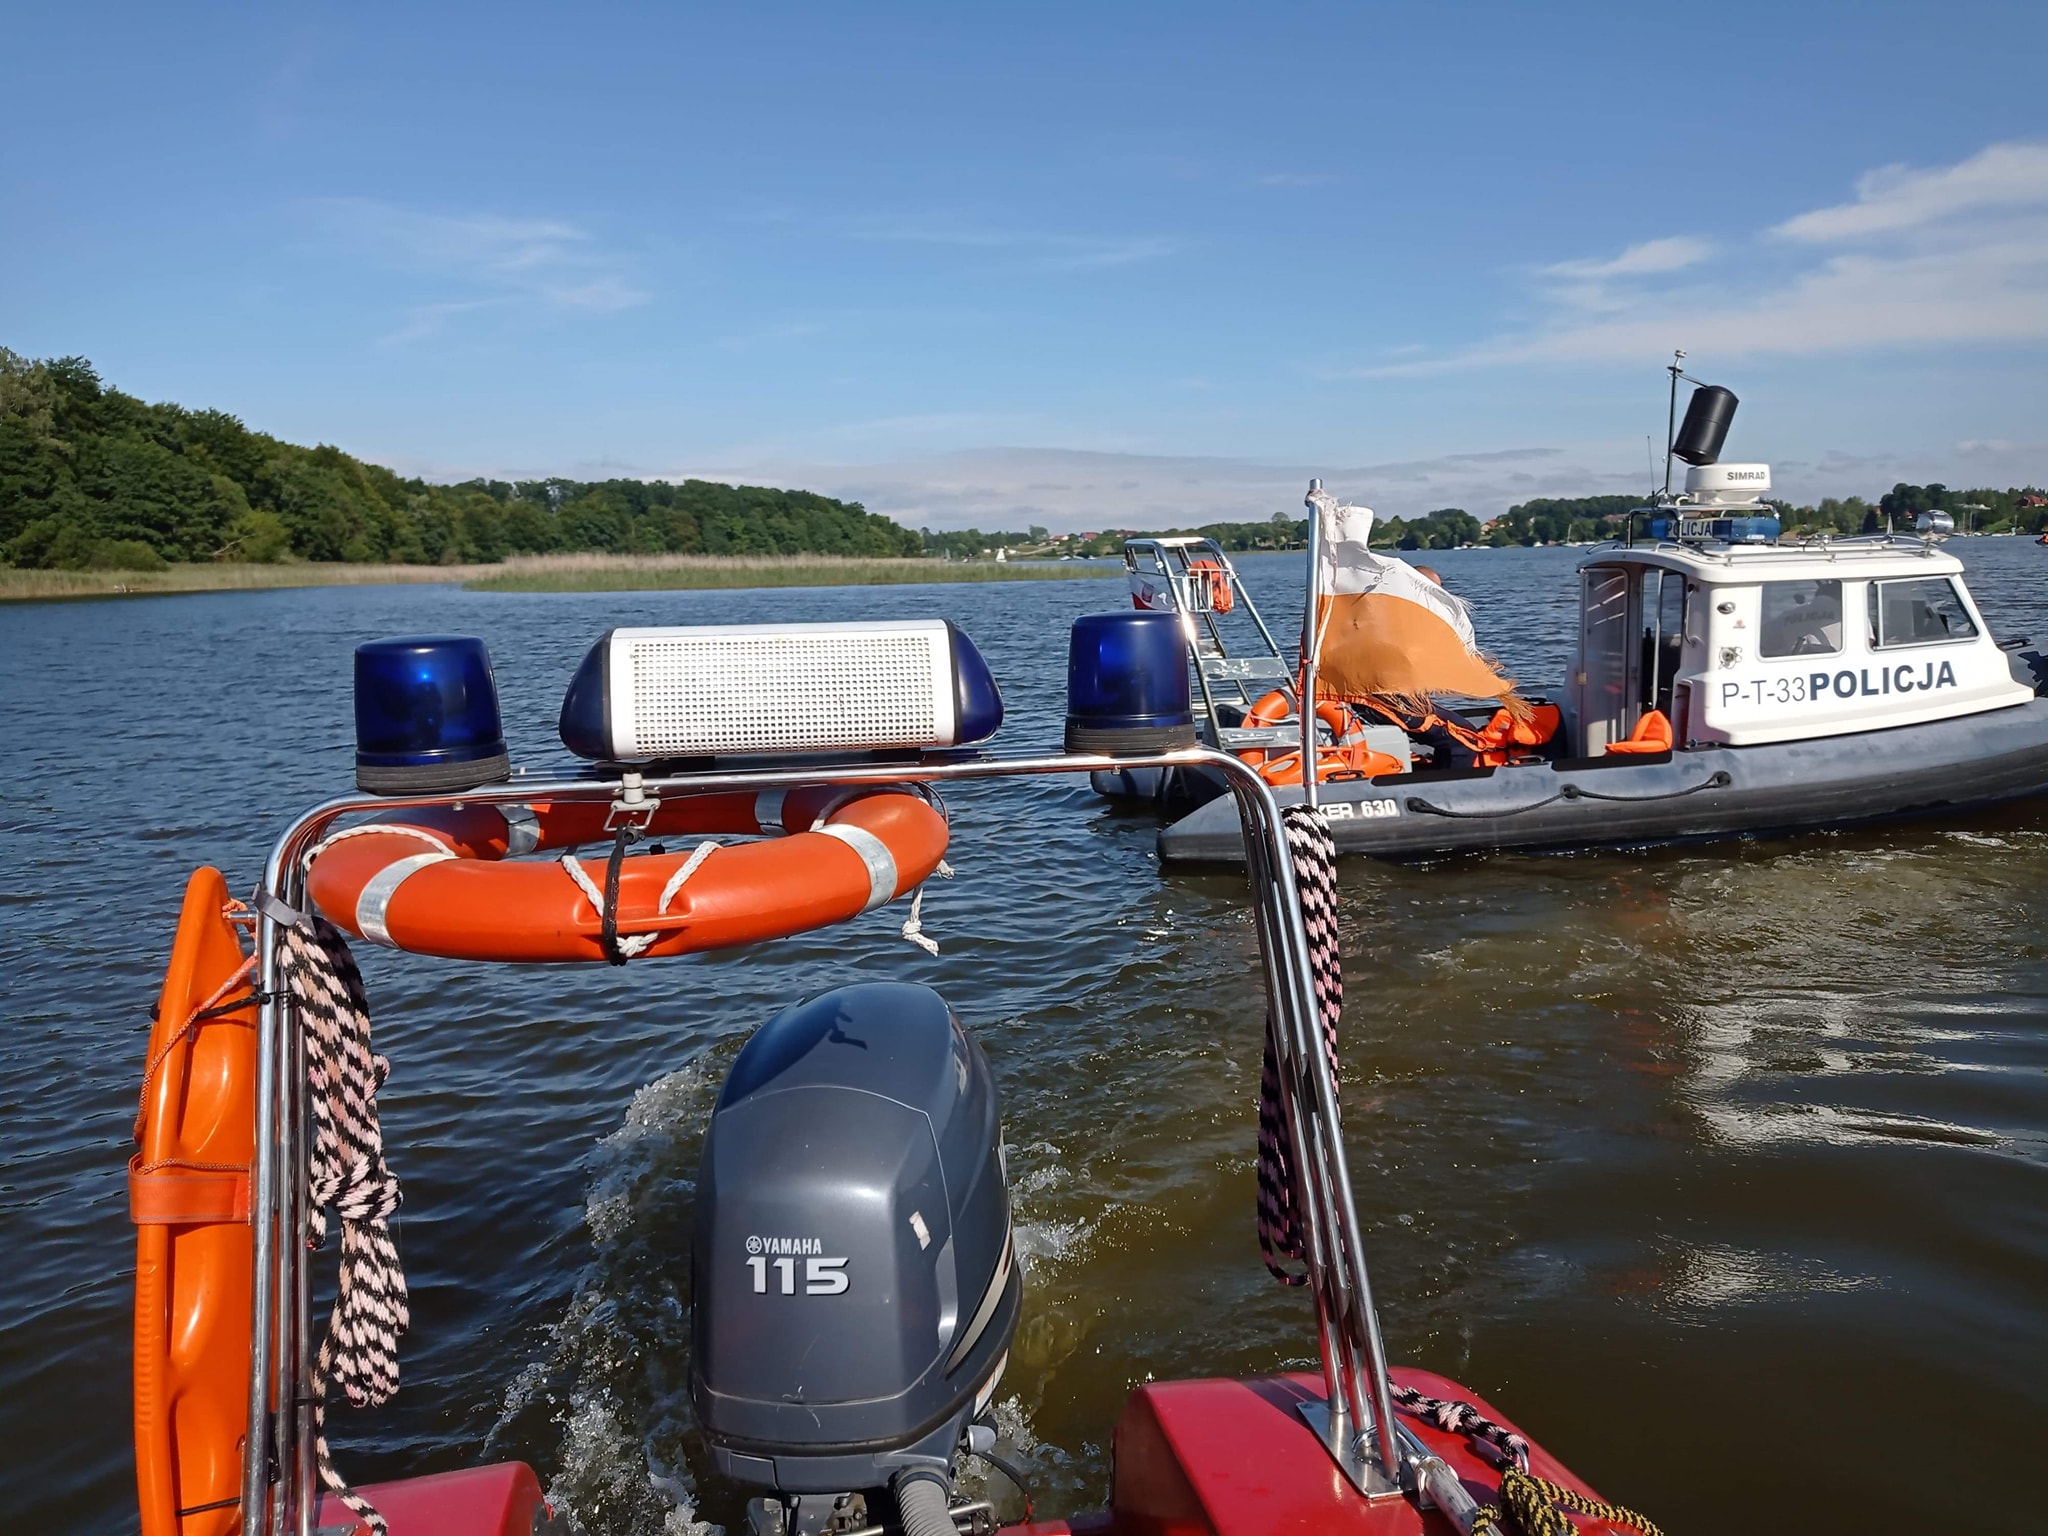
[
  {"x": 1043, "y": 1245},
  {"x": 611, "y": 1377},
  {"x": 1043, "y": 1240}
]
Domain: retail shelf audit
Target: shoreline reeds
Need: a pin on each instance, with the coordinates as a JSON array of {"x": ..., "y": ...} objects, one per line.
[
  {"x": 545, "y": 573},
  {"x": 654, "y": 573}
]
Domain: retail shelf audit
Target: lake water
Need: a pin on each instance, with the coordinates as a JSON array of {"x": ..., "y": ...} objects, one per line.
[{"x": 1721, "y": 1169}]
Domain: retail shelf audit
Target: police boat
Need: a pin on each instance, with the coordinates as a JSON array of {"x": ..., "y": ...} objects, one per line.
[
  {"x": 1725, "y": 683},
  {"x": 854, "y": 1284}
]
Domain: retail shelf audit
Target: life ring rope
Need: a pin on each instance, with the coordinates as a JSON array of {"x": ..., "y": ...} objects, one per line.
[{"x": 447, "y": 882}]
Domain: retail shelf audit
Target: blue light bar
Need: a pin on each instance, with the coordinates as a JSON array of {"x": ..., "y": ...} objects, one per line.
[
  {"x": 1127, "y": 684},
  {"x": 427, "y": 716}
]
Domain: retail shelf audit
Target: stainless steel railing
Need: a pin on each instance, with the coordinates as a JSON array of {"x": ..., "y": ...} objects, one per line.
[{"x": 1352, "y": 1353}]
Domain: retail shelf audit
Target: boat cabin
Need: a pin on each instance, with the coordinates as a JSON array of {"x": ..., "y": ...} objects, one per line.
[{"x": 1739, "y": 645}]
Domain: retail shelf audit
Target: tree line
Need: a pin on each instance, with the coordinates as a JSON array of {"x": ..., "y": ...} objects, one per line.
[
  {"x": 91, "y": 477},
  {"x": 1586, "y": 519},
  {"x": 94, "y": 478}
]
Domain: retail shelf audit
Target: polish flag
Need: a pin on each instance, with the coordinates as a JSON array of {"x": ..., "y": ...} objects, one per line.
[{"x": 1385, "y": 629}]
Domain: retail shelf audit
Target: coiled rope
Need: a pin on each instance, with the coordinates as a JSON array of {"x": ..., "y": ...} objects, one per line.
[
  {"x": 1534, "y": 1506},
  {"x": 1529, "y": 1505},
  {"x": 347, "y": 1177}
]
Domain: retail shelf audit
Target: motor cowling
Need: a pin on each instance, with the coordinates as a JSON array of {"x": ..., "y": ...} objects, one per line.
[{"x": 855, "y": 1286}]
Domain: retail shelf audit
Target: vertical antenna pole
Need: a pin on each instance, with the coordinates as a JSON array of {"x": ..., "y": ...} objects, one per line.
[
  {"x": 1671, "y": 418},
  {"x": 1311, "y": 642}
]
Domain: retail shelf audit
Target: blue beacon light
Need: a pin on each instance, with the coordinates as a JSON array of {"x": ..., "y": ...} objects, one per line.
[
  {"x": 427, "y": 716},
  {"x": 1127, "y": 684}
]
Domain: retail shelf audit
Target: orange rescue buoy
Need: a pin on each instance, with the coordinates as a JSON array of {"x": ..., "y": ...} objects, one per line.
[
  {"x": 1275, "y": 706},
  {"x": 1221, "y": 598},
  {"x": 1355, "y": 761},
  {"x": 437, "y": 882},
  {"x": 1348, "y": 759},
  {"x": 188, "y": 1195}
]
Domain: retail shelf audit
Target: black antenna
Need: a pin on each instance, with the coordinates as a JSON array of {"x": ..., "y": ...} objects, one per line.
[{"x": 1676, "y": 369}]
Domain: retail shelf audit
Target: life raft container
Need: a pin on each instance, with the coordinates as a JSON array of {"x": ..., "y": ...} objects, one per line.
[
  {"x": 437, "y": 882},
  {"x": 188, "y": 1194}
]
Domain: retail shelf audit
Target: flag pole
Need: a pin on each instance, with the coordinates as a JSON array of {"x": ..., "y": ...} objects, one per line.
[{"x": 1311, "y": 643}]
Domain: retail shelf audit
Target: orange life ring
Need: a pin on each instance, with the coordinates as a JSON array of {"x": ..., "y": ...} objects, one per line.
[
  {"x": 188, "y": 1194},
  {"x": 1275, "y": 707},
  {"x": 1221, "y": 598},
  {"x": 436, "y": 882},
  {"x": 1355, "y": 761}
]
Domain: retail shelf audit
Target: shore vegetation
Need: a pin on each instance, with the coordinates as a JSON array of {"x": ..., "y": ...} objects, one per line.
[
  {"x": 537, "y": 573},
  {"x": 101, "y": 492},
  {"x": 663, "y": 573}
]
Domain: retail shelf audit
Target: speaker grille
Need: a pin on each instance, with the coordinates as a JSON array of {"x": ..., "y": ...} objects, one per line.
[{"x": 701, "y": 695}]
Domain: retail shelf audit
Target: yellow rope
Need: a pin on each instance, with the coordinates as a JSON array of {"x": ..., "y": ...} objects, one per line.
[{"x": 1530, "y": 1505}]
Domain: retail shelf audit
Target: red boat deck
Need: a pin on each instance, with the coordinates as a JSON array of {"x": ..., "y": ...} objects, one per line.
[
  {"x": 1234, "y": 1458},
  {"x": 497, "y": 1500},
  {"x": 1193, "y": 1458}
]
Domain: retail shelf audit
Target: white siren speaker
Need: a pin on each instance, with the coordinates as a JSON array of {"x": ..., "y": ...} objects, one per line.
[{"x": 714, "y": 690}]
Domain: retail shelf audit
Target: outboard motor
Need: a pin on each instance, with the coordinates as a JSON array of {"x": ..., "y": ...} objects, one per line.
[{"x": 856, "y": 1291}]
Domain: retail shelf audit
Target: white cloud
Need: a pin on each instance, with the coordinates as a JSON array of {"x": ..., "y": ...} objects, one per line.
[
  {"x": 1956, "y": 256},
  {"x": 1898, "y": 197},
  {"x": 1667, "y": 255},
  {"x": 1050, "y": 250},
  {"x": 1070, "y": 489},
  {"x": 492, "y": 260}
]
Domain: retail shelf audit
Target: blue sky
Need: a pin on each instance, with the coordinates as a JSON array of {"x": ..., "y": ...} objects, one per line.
[{"x": 1087, "y": 266}]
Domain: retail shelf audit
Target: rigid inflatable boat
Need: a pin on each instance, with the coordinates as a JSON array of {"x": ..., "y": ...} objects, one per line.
[
  {"x": 855, "y": 1282},
  {"x": 1725, "y": 683},
  {"x": 1722, "y": 690}
]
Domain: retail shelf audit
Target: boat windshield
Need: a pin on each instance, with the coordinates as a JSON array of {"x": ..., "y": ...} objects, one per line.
[
  {"x": 1801, "y": 618},
  {"x": 1923, "y": 610}
]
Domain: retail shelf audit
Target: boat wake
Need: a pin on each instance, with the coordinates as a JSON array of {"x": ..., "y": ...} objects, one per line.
[{"x": 607, "y": 1406}]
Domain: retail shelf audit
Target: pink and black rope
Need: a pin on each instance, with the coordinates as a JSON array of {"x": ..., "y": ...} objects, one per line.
[
  {"x": 1314, "y": 853},
  {"x": 347, "y": 1177}
]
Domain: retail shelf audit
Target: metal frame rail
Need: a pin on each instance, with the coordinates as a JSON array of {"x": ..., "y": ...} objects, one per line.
[
  {"x": 1173, "y": 560},
  {"x": 1353, "y": 1355}
]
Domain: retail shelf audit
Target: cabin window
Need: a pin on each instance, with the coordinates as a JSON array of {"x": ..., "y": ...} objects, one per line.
[
  {"x": 1927, "y": 610},
  {"x": 1801, "y": 618}
]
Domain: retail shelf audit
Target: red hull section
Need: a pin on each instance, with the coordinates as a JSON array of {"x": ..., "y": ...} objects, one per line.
[
  {"x": 498, "y": 1500},
  {"x": 1234, "y": 1458},
  {"x": 1193, "y": 1458}
]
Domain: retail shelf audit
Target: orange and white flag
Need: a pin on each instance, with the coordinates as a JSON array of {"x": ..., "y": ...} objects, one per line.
[{"x": 1385, "y": 629}]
